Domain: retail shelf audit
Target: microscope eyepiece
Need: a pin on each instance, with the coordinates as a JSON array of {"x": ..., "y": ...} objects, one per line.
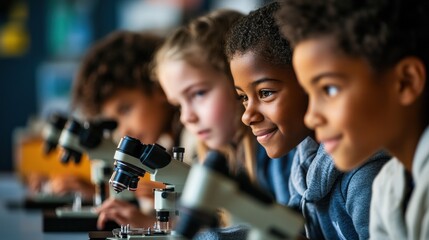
[
  {"x": 73, "y": 126},
  {"x": 132, "y": 158},
  {"x": 131, "y": 146},
  {"x": 57, "y": 120}
]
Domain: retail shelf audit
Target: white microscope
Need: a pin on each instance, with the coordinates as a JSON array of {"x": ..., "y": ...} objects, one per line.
[
  {"x": 95, "y": 139},
  {"x": 210, "y": 187},
  {"x": 132, "y": 160}
]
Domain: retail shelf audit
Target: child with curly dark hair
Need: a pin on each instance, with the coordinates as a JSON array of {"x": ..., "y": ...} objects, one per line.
[
  {"x": 114, "y": 81},
  {"x": 334, "y": 204},
  {"x": 364, "y": 65}
]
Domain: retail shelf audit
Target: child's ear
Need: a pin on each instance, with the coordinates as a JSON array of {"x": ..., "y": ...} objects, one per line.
[{"x": 411, "y": 79}]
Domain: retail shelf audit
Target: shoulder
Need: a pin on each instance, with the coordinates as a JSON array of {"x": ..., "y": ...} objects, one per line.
[
  {"x": 369, "y": 169},
  {"x": 306, "y": 151},
  {"x": 388, "y": 172},
  {"x": 363, "y": 176}
]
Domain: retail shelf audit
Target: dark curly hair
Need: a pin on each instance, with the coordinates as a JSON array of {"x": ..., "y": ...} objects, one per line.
[
  {"x": 380, "y": 31},
  {"x": 119, "y": 61},
  {"x": 259, "y": 33}
]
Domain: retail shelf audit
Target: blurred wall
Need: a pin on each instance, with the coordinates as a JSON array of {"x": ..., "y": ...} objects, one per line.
[
  {"x": 25, "y": 76},
  {"x": 17, "y": 84}
]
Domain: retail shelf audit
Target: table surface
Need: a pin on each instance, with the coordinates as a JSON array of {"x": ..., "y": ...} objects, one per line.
[{"x": 17, "y": 224}]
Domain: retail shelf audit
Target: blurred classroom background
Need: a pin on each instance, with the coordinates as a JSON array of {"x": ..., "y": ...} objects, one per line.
[{"x": 42, "y": 42}]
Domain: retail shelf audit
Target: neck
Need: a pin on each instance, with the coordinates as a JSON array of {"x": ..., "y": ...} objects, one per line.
[{"x": 405, "y": 148}]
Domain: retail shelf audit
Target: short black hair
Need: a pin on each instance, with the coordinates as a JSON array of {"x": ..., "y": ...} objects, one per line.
[
  {"x": 380, "y": 31},
  {"x": 258, "y": 33}
]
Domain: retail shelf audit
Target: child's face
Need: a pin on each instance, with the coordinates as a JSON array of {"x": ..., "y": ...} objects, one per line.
[
  {"x": 275, "y": 103},
  {"x": 350, "y": 108},
  {"x": 138, "y": 115},
  {"x": 209, "y": 107}
]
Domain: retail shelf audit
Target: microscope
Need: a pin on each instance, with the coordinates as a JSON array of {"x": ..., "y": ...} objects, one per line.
[
  {"x": 93, "y": 138},
  {"x": 210, "y": 187},
  {"x": 132, "y": 160},
  {"x": 50, "y": 134}
]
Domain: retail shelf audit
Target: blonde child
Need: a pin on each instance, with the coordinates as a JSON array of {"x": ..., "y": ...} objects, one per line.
[{"x": 192, "y": 68}]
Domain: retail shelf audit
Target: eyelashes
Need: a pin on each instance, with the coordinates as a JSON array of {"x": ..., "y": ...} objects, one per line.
[
  {"x": 262, "y": 94},
  {"x": 331, "y": 90}
]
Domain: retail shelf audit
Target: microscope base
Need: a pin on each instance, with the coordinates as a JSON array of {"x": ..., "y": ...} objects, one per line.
[
  {"x": 153, "y": 237},
  {"x": 100, "y": 235},
  {"x": 42, "y": 201},
  {"x": 83, "y": 212},
  {"x": 54, "y": 223},
  {"x": 108, "y": 235}
]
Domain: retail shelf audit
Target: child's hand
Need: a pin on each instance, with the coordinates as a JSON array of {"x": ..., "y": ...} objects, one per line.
[
  {"x": 145, "y": 188},
  {"x": 61, "y": 185},
  {"x": 122, "y": 213},
  {"x": 35, "y": 182}
]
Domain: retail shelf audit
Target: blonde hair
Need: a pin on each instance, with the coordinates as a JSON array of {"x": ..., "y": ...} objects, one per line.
[{"x": 202, "y": 42}]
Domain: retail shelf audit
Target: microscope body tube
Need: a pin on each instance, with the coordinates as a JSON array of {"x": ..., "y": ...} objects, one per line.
[
  {"x": 101, "y": 162},
  {"x": 207, "y": 190}
]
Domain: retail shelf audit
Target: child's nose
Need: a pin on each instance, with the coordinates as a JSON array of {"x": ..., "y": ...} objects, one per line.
[
  {"x": 251, "y": 115},
  {"x": 187, "y": 115},
  {"x": 312, "y": 118}
]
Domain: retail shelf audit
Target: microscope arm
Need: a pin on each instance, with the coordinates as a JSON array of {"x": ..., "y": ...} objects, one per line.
[{"x": 175, "y": 173}]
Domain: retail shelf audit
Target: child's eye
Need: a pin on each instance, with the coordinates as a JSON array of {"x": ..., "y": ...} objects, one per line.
[
  {"x": 199, "y": 93},
  {"x": 331, "y": 90},
  {"x": 178, "y": 108},
  {"x": 124, "y": 109},
  {"x": 265, "y": 93},
  {"x": 242, "y": 97}
]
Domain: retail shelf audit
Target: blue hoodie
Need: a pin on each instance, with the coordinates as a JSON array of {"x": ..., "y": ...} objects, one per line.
[
  {"x": 334, "y": 204},
  {"x": 273, "y": 174}
]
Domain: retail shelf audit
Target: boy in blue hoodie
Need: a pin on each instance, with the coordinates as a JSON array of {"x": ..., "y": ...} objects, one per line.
[
  {"x": 364, "y": 65},
  {"x": 334, "y": 204}
]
